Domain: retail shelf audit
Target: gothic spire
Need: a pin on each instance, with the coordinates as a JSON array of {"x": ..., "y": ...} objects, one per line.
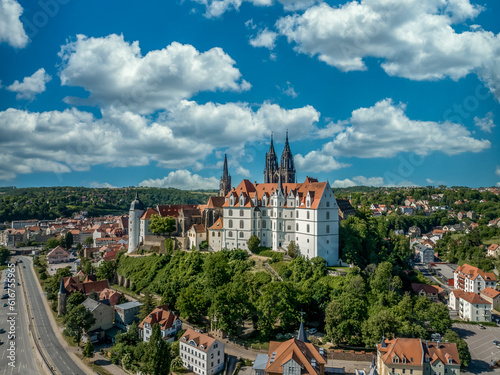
[
  {"x": 302, "y": 336},
  {"x": 225, "y": 171},
  {"x": 225, "y": 181}
]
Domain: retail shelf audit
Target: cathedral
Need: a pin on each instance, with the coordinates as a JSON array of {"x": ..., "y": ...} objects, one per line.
[{"x": 286, "y": 169}]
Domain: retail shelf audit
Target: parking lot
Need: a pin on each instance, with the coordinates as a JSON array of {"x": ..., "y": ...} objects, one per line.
[
  {"x": 52, "y": 268},
  {"x": 481, "y": 347}
]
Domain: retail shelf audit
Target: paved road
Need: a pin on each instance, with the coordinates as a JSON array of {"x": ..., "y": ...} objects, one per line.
[
  {"x": 23, "y": 360},
  {"x": 61, "y": 359}
]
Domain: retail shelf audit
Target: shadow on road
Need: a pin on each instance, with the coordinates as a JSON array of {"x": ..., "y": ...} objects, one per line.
[
  {"x": 477, "y": 366},
  {"x": 463, "y": 333}
]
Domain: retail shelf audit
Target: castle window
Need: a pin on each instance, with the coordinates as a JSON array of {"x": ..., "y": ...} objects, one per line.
[
  {"x": 308, "y": 215},
  {"x": 242, "y": 234},
  {"x": 327, "y": 203},
  {"x": 308, "y": 228},
  {"x": 327, "y": 215},
  {"x": 327, "y": 229},
  {"x": 242, "y": 213},
  {"x": 242, "y": 224},
  {"x": 218, "y": 234},
  {"x": 297, "y": 227},
  {"x": 297, "y": 213},
  {"x": 263, "y": 224},
  {"x": 289, "y": 227},
  {"x": 230, "y": 224},
  {"x": 230, "y": 213}
]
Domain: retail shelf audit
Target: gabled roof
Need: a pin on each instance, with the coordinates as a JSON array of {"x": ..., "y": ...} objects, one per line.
[
  {"x": 198, "y": 228},
  {"x": 198, "y": 339},
  {"x": 301, "y": 352},
  {"x": 162, "y": 316},
  {"x": 411, "y": 349},
  {"x": 490, "y": 292},
  {"x": 428, "y": 289},
  {"x": 218, "y": 225},
  {"x": 473, "y": 272},
  {"x": 58, "y": 251},
  {"x": 470, "y": 297},
  {"x": 215, "y": 202}
]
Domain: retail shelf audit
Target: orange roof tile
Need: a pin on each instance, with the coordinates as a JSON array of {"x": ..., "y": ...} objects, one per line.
[
  {"x": 490, "y": 292},
  {"x": 473, "y": 272},
  {"x": 218, "y": 225},
  {"x": 301, "y": 352},
  {"x": 198, "y": 338}
]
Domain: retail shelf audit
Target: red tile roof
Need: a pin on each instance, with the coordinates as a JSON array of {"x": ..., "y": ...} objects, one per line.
[
  {"x": 199, "y": 339},
  {"x": 162, "y": 316},
  {"x": 301, "y": 352},
  {"x": 490, "y": 292},
  {"x": 472, "y": 272},
  {"x": 218, "y": 225}
]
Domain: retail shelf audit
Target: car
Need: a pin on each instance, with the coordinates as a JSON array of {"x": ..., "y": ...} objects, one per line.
[
  {"x": 5, "y": 296},
  {"x": 496, "y": 342},
  {"x": 24, "y": 266},
  {"x": 2, "y": 330},
  {"x": 312, "y": 331},
  {"x": 481, "y": 326},
  {"x": 5, "y": 305}
]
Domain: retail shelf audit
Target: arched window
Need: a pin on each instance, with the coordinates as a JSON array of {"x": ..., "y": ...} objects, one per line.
[
  {"x": 230, "y": 224},
  {"x": 230, "y": 234},
  {"x": 230, "y": 213},
  {"x": 297, "y": 227},
  {"x": 327, "y": 203},
  {"x": 242, "y": 234},
  {"x": 327, "y": 215},
  {"x": 263, "y": 224},
  {"x": 297, "y": 213},
  {"x": 218, "y": 234},
  {"x": 242, "y": 224},
  {"x": 308, "y": 228},
  {"x": 242, "y": 213},
  {"x": 327, "y": 229},
  {"x": 308, "y": 215},
  {"x": 289, "y": 227}
]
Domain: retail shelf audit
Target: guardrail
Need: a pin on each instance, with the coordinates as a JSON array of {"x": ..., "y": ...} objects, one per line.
[{"x": 33, "y": 330}]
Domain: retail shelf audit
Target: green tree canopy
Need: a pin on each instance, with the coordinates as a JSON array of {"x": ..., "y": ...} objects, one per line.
[
  {"x": 106, "y": 270},
  {"x": 148, "y": 305},
  {"x": 78, "y": 320},
  {"x": 162, "y": 225},
  {"x": 156, "y": 359},
  {"x": 74, "y": 299},
  {"x": 253, "y": 243},
  {"x": 88, "y": 350},
  {"x": 462, "y": 347}
]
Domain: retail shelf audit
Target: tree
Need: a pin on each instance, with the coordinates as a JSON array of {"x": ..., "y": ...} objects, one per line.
[
  {"x": 176, "y": 364},
  {"x": 78, "y": 320},
  {"x": 462, "y": 347},
  {"x": 253, "y": 243},
  {"x": 148, "y": 305},
  {"x": 106, "y": 270},
  {"x": 74, "y": 299},
  {"x": 292, "y": 250},
  {"x": 51, "y": 243},
  {"x": 79, "y": 250},
  {"x": 169, "y": 246},
  {"x": 162, "y": 225},
  {"x": 93, "y": 295},
  {"x": 89, "y": 241},
  {"x": 68, "y": 241},
  {"x": 4, "y": 255},
  {"x": 156, "y": 359},
  {"x": 88, "y": 350}
]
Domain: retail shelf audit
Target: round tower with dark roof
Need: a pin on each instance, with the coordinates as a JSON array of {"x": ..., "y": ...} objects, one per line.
[{"x": 134, "y": 223}]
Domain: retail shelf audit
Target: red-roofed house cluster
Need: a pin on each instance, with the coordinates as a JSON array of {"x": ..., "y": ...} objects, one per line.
[
  {"x": 474, "y": 294},
  {"x": 169, "y": 323}
]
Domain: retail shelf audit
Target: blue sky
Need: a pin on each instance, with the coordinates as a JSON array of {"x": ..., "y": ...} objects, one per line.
[{"x": 127, "y": 93}]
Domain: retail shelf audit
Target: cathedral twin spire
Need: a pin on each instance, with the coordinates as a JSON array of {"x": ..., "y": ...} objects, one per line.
[{"x": 286, "y": 170}]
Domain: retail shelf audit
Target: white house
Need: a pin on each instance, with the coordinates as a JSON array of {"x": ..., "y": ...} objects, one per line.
[
  {"x": 196, "y": 234},
  {"x": 215, "y": 233},
  {"x": 200, "y": 353},
  {"x": 58, "y": 255},
  {"x": 278, "y": 213},
  {"x": 470, "y": 306},
  {"x": 472, "y": 279},
  {"x": 169, "y": 324}
]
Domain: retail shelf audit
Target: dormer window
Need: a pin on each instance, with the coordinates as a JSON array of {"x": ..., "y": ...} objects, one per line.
[
  {"x": 404, "y": 359},
  {"x": 395, "y": 359},
  {"x": 192, "y": 343},
  {"x": 184, "y": 339},
  {"x": 202, "y": 346}
]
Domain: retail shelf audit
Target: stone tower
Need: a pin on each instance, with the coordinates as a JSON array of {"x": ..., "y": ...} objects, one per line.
[
  {"x": 287, "y": 168},
  {"x": 134, "y": 223},
  {"x": 225, "y": 181},
  {"x": 271, "y": 171},
  {"x": 62, "y": 296}
]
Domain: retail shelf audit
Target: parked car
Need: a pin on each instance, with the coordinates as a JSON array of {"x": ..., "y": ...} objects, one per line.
[
  {"x": 2, "y": 330},
  {"x": 312, "y": 331},
  {"x": 5, "y": 296},
  {"x": 481, "y": 326},
  {"x": 496, "y": 342},
  {"x": 5, "y": 305}
]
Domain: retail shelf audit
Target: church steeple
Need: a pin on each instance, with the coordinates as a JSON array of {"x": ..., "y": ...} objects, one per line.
[
  {"x": 225, "y": 181},
  {"x": 287, "y": 167},
  {"x": 272, "y": 170}
]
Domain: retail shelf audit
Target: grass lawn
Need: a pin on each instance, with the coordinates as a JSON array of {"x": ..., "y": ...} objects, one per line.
[
  {"x": 96, "y": 368},
  {"x": 492, "y": 240}
]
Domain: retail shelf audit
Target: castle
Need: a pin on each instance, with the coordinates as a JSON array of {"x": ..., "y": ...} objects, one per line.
[{"x": 278, "y": 211}]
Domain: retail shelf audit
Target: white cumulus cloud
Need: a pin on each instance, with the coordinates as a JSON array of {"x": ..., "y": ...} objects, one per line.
[
  {"x": 414, "y": 39},
  {"x": 315, "y": 161},
  {"x": 106, "y": 185},
  {"x": 183, "y": 179},
  {"x": 264, "y": 38},
  {"x": 485, "y": 123},
  {"x": 368, "y": 181},
  {"x": 11, "y": 28},
  {"x": 30, "y": 86},
  {"x": 343, "y": 183},
  {"x": 384, "y": 130},
  {"x": 216, "y": 8},
  {"x": 115, "y": 72}
]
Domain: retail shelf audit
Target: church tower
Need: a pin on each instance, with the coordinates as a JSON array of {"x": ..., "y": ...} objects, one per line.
[
  {"x": 225, "y": 181},
  {"x": 61, "y": 299},
  {"x": 287, "y": 168},
  {"x": 272, "y": 171},
  {"x": 134, "y": 223}
]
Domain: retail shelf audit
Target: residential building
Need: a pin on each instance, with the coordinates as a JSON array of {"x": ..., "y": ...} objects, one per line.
[
  {"x": 196, "y": 235},
  {"x": 345, "y": 208},
  {"x": 416, "y": 357},
  {"x": 111, "y": 295},
  {"x": 414, "y": 231},
  {"x": 492, "y": 296},
  {"x": 470, "y": 306},
  {"x": 200, "y": 353},
  {"x": 169, "y": 323},
  {"x": 58, "y": 255},
  {"x": 215, "y": 235},
  {"x": 471, "y": 279},
  {"x": 102, "y": 312},
  {"x": 423, "y": 254},
  {"x": 493, "y": 250},
  {"x": 126, "y": 313},
  {"x": 278, "y": 213},
  {"x": 433, "y": 292}
]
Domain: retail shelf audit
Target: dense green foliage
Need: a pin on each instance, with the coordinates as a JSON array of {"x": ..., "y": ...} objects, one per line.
[
  {"x": 54, "y": 202},
  {"x": 77, "y": 321},
  {"x": 156, "y": 359},
  {"x": 463, "y": 348},
  {"x": 88, "y": 350},
  {"x": 162, "y": 225},
  {"x": 4, "y": 255}
]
